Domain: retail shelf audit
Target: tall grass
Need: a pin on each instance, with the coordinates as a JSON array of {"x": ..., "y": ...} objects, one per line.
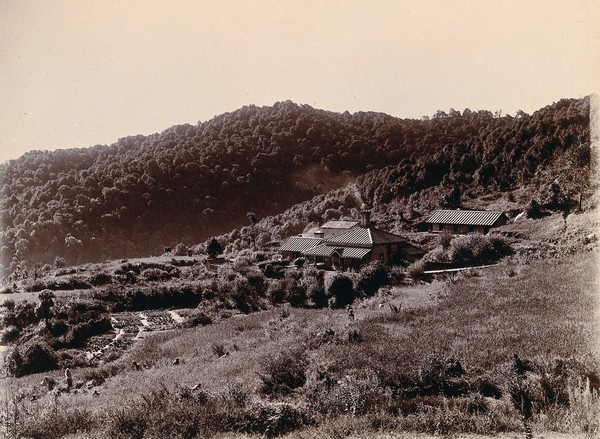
[{"x": 489, "y": 351}]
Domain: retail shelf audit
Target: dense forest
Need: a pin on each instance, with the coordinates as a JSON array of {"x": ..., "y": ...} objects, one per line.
[{"x": 189, "y": 182}]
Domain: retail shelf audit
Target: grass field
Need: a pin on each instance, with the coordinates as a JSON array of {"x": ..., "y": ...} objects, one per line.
[{"x": 390, "y": 373}]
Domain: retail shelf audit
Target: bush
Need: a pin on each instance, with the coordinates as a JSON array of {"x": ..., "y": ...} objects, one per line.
[
  {"x": 478, "y": 249},
  {"x": 100, "y": 279},
  {"x": 199, "y": 320},
  {"x": 271, "y": 419},
  {"x": 440, "y": 375},
  {"x": 283, "y": 373},
  {"x": 416, "y": 270},
  {"x": 10, "y": 334},
  {"x": 501, "y": 246},
  {"x": 340, "y": 290},
  {"x": 180, "y": 250},
  {"x": 371, "y": 277},
  {"x": 296, "y": 292},
  {"x": 59, "y": 262},
  {"x": 312, "y": 279},
  {"x": 444, "y": 239},
  {"x": 213, "y": 248},
  {"x": 534, "y": 210},
  {"x": 155, "y": 274},
  {"x": 276, "y": 291},
  {"x": 32, "y": 357}
]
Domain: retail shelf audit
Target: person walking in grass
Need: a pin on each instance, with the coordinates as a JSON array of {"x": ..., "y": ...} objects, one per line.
[
  {"x": 350, "y": 313},
  {"x": 69, "y": 378}
]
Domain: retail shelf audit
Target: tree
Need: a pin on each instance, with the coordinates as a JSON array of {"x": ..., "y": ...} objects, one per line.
[
  {"x": 44, "y": 310},
  {"x": 451, "y": 200},
  {"x": 213, "y": 248},
  {"x": 252, "y": 218}
]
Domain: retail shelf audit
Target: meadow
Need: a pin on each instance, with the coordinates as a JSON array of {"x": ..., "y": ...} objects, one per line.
[{"x": 510, "y": 350}]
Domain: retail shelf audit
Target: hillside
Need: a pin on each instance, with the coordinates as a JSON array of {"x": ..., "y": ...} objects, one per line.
[
  {"x": 189, "y": 183},
  {"x": 491, "y": 351}
]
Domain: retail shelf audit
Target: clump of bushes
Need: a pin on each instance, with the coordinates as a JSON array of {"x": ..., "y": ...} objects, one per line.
[
  {"x": 340, "y": 290},
  {"x": 283, "y": 373},
  {"x": 32, "y": 357},
  {"x": 371, "y": 277},
  {"x": 478, "y": 249},
  {"x": 100, "y": 279},
  {"x": 72, "y": 283}
]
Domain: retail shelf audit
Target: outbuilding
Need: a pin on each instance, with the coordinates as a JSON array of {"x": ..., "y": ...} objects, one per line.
[{"x": 465, "y": 221}]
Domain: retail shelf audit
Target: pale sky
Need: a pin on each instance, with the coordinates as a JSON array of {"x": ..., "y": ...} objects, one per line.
[{"x": 81, "y": 73}]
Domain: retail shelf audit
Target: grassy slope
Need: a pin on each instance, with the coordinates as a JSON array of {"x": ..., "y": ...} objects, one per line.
[{"x": 541, "y": 310}]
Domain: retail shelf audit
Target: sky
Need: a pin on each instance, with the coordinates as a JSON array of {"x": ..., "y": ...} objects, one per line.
[{"x": 81, "y": 73}]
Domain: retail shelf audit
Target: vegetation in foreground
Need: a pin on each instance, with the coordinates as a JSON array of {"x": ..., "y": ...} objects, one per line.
[{"x": 510, "y": 348}]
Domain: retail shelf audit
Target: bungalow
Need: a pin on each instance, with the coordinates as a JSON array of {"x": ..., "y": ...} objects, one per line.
[
  {"x": 465, "y": 221},
  {"x": 359, "y": 244}
]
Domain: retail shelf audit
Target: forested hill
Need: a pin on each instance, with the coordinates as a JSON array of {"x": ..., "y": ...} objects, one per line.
[{"x": 191, "y": 182}]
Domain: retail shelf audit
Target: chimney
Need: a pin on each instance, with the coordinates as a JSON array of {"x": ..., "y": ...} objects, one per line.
[
  {"x": 365, "y": 216},
  {"x": 319, "y": 234}
]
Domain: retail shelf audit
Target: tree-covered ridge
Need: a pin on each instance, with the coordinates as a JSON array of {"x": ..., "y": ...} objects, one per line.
[{"x": 191, "y": 182}]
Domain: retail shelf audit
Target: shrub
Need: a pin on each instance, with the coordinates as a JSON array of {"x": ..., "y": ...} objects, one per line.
[
  {"x": 416, "y": 270},
  {"x": 181, "y": 250},
  {"x": 199, "y": 320},
  {"x": 60, "y": 262},
  {"x": 213, "y": 248},
  {"x": 276, "y": 291},
  {"x": 283, "y": 373},
  {"x": 312, "y": 280},
  {"x": 218, "y": 349},
  {"x": 20, "y": 315},
  {"x": 271, "y": 419},
  {"x": 296, "y": 293},
  {"x": 478, "y": 249},
  {"x": 439, "y": 375},
  {"x": 501, "y": 246},
  {"x": 155, "y": 274},
  {"x": 534, "y": 210},
  {"x": 340, "y": 290},
  {"x": 100, "y": 279},
  {"x": 444, "y": 239},
  {"x": 32, "y": 357},
  {"x": 10, "y": 334},
  {"x": 371, "y": 277},
  {"x": 354, "y": 336}
]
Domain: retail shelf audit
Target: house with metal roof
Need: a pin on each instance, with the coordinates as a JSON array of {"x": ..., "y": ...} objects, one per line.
[
  {"x": 465, "y": 221},
  {"x": 359, "y": 244}
]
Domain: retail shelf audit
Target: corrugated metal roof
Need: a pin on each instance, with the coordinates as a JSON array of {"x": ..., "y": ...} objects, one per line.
[
  {"x": 319, "y": 250},
  {"x": 355, "y": 252},
  {"x": 364, "y": 237},
  {"x": 339, "y": 224},
  {"x": 465, "y": 217},
  {"x": 345, "y": 252},
  {"x": 299, "y": 244}
]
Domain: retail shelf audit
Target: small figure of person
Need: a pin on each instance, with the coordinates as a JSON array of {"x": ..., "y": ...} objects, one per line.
[
  {"x": 350, "y": 313},
  {"x": 69, "y": 378}
]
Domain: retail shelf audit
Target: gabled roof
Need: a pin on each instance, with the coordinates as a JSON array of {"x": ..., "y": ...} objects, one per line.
[
  {"x": 465, "y": 217},
  {"x": 364, "y": 237},
  {"x": 299, "y": 244},
  {"x": 340, "y": 224}
]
